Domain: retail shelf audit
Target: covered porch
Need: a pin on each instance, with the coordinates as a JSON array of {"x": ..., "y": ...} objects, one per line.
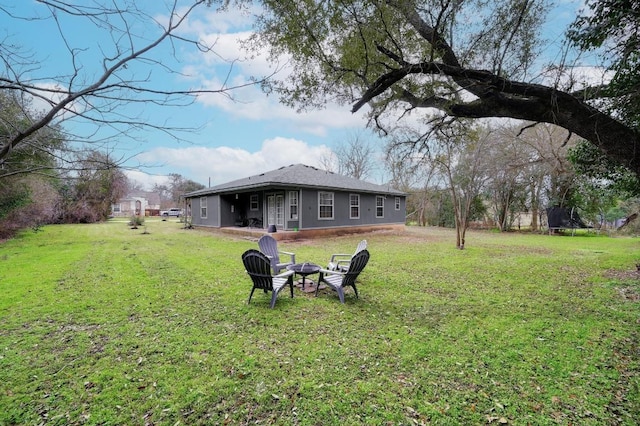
[{"x": 258, "y": 210}]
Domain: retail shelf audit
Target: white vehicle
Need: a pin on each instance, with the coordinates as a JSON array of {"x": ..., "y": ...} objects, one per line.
[{"x": 171, "y": 212}]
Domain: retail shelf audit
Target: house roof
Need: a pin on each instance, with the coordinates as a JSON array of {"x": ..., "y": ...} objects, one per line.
[
  {"x": 152, "y": 197},
  {"x": 298, "y": 175}
]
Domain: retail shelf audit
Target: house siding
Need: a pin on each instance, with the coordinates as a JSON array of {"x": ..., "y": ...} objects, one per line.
[
  {"x": 213, "y": 211},
  {"x": 228, "y": 211},
  {"x": 341, "y": 210}
]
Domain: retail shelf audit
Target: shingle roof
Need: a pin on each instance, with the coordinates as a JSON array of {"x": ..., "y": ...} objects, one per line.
[{"x": 299, "y": 175}]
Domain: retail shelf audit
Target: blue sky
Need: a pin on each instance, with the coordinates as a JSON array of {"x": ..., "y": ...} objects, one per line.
[{"x": 233, "y": 138}]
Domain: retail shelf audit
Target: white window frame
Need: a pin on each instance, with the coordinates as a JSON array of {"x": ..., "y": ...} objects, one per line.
[
  {"x": 294, "y": 205},
  {"x": 254, "y": 204},
  {"x": 353, "y": 197},
  {"x": 203, "y": 207},
  {"x": 379, "y": 206},
  {"x": 280, "y": 209},
  {"x": 324, "y": 196},
  {"x": 397, "y": 203}
]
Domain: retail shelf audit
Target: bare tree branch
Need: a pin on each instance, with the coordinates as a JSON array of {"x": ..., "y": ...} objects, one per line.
[{"x": 101, "y": 100}]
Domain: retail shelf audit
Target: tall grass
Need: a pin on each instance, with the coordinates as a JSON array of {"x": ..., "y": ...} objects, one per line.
[{"x": 102, "y": 324}]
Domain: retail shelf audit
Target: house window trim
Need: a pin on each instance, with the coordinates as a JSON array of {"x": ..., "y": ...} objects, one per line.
[
  {"x": 332, "y": 205},
  {"x": 294, "y": 196},
  {"x": 254, "y": 203},
  {"x": 380, "y": 216},
  {"x": 203, "y": 207},
  {"x": 397, "y": 203},
  {"x": 351, "y": 206}
]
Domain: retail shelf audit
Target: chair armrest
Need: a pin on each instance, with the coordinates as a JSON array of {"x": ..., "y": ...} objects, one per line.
[
  {"x": 284, "y": 274},
  {"x": 330, "y": 272},
  {"x": 333, "y": 256},
  {"x": 292, "y": 255},
  {"x": 342, "y": 264}
]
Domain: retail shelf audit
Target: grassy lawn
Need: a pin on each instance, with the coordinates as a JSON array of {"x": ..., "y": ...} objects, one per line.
[{"x": 101, "y": 324}]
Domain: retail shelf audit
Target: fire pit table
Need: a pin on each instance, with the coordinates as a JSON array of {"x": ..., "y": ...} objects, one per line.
[{"x": 305, "y": 269}]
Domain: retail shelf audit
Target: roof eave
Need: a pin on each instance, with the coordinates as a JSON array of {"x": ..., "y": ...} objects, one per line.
[{"x": 241, "y": 188}]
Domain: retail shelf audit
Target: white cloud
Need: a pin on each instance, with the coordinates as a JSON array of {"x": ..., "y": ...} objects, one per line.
[
  {"x": 227, "y": 48},
  {"x": 145, "y": 179},
  {"x": 230, "y": 65},
  {"x": 576, "y": 77},
  {"x": 224, "y": 164},
  {"x": 253, "y": 104},
  {"x": 218, "y": 20},
  {"x": 46, "y": 94}
]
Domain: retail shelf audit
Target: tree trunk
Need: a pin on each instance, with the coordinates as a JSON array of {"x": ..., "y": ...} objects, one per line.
[{"x": 628, "y": 220}]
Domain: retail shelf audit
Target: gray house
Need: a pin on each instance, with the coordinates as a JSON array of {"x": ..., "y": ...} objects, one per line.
[{"x": 297, "y": 198}]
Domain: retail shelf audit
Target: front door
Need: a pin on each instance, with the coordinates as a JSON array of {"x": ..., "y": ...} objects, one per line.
[{"x": 275, "y": 210}]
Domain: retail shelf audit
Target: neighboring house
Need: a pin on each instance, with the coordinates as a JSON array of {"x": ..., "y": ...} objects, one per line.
[
  {"x": 297, "y": 197},
  {"x": 139, "y": 203}
]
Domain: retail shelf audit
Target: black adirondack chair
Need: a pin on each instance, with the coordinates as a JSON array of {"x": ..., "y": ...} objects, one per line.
[
  {"x": 339, "y": 280},
  {"x": 258, "y": 267}
]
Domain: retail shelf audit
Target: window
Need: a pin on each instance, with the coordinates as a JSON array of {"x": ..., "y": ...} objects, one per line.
[
  {"x": 325, "y": 205},
  {"x": 379, "y": 206},
  {"x": 203, "y": 207},
  {"x": 116, "y": 208},
  {"x": 397, "y": 203},
  {"x": 253, "y": 203},
  {"x": 293, "y": 205},
  {"x": 354, "y": 206}
]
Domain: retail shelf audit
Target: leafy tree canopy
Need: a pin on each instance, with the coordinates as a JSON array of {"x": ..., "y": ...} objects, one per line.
[
  {"x": 615, "y": 26},
  {"x": 604, "y": 172},
  {"x": 465, "y": 59},
  {"x": 39, "y": 152}
]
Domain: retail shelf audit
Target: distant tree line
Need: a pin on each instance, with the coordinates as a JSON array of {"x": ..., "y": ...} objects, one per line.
[
  {"x": 47, "y": 180},
  {"x": 495, "y": 175},
  {"x": 499, "y": 177}
]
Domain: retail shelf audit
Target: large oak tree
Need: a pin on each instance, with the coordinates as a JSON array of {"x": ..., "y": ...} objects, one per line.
[{"x": 464, "y": 59}]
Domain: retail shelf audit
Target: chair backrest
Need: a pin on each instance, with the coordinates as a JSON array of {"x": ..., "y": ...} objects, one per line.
[
  {"x": 269, "y": 246},
  {"x": 258, "y": 267},
  {"x": 358, "y": 262},
  {"x": 361, "y": 246}
]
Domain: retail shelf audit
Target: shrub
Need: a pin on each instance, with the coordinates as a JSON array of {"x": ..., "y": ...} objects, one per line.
[{"x": 136, "y": 221}]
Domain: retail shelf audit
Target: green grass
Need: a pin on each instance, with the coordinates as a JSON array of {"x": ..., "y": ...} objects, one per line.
[{"x": 101, "y": 324}]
